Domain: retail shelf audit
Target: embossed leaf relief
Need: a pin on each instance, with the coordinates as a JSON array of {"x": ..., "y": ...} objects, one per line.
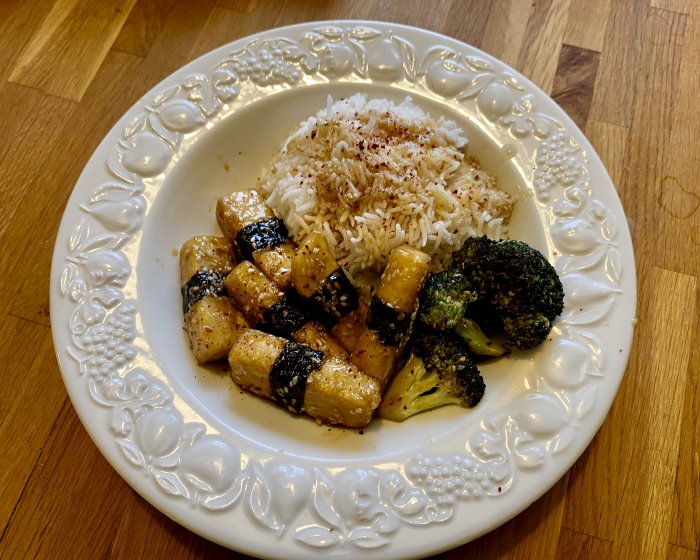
[{"x": 355, "y": 508}]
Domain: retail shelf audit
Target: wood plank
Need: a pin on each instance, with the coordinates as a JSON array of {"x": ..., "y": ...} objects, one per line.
[
  {"x": 643, "y": 428},
  {"x": 120, "y": 82},
  {"x": 680, "y": 553},
  {"x": 679, "y": 6},
  {"x": 532, "y": 534},
  {"x": 33, "y": 394},
  {"x": 18, "y": 22},
  {"x": 102, "y": 513},
  {"x": 577, "y": 546},
  {"x": 610, "y": 143},
  {"x": 674, "y": 187},
  {"x": 174, "y": 44},
  {"x": 509, "y": 20},
  {"x": 574, "y": 81},
  {"x": 686, "y": 508},
  {"x": 47, "y": 190},
  {"x": 17, "y": 333},
  {"x": 651, "y": 134},
  {"x": 143, "y": 26},
  {"x": 620, "y": 62},
  {"x": 144, "y": 532},
  {"x": 595, "y": 480},
  {"x": 588, "y": 20},
  {"x": 65, "y": 506},
  {"x": 28, "y": 142},
  {"x": 225, "y": 25},
  {"x": 244, "y": 6},
  {"x": 543, "y": 38},
  {"x": 65, "y": 52},
  {"x": 534, "y": 32},
  {"x": 466, "y": 20}
]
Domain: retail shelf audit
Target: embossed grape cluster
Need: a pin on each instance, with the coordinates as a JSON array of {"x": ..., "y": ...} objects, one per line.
[
  {"x": 558, "y": 164},
  {"x": 267, "y": 67},
  {"x": 108, "y": 345},
  {"x": 445, "y": 479}
]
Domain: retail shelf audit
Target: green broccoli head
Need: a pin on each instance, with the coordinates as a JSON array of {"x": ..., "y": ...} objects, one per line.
[
  {"x": 444, "y": 299},
  {"x": 518, "y": 286},
  {"x": 527, "y": 330},
  {"x": 439, "y": 371},
  {"x": 524, "y": 282}
]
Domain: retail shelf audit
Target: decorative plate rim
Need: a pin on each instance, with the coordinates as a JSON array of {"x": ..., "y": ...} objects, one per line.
[{"x": 405, "y": 508}]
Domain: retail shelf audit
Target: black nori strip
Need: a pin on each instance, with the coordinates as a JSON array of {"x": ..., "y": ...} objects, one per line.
[
  {"x": 261, "y": 235},
  {"x": 285, "y": 317},
  {"x": 334, "y": 298},
  {"x": 289, "y": 374},
  {"x": 201, "y": 284},
  {"x": 392, "y": 326}
]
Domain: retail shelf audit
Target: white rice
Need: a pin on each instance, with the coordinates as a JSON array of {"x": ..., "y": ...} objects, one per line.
[{"x": 372, "y": 175}]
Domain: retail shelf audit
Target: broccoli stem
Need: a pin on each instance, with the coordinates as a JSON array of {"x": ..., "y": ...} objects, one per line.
[{"x": 477, "y": 341}]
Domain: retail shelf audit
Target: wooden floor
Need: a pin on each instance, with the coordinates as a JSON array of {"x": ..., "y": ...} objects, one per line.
[{"x": 627, "y": 71}]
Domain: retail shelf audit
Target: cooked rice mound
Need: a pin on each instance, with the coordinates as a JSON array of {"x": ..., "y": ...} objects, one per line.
[{"x": 372, "y": 175}]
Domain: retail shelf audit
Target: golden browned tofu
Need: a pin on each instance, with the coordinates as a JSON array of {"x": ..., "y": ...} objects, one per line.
[
  {"x": 347, "y": 331},
  {"x": 313, "y": 334},
  {"x": 212, "y": 323},
  {"x": 248, "y": 221},
  {"x": 275, "y": 263},
  {"x": 205, "y": 253},
  {"x": 403, "y": 278},
  {"x": 374, "y": 357},
  {"x": 313, "y": 262},
  {"x": 211, "y": 320},
  {"x": 254, "y": 293},
  {"x": 318, "y": 278},
  {"x": 267, "y": 307},
  {"x": 339, "y": 393},
  {"x": 391, "y": 313},
  {"x": 239, "y": 209},
  {"x": 251, "y": 359},
  {"x": 303, "y": 379}
]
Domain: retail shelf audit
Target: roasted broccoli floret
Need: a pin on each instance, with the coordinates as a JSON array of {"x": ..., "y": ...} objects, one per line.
[
  {"x": 439, "y": 371},
  {"x": 444, "y": 299},
  {"x": 517, "y": 283},
  {"x": 444, "y": 306}
]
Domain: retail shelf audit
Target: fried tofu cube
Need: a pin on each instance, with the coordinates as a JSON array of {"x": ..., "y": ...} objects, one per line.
[
  {"x": 205, "y": 253},
  {"x": 336, "y": 392},
  {"x": 212, "y": 324}
]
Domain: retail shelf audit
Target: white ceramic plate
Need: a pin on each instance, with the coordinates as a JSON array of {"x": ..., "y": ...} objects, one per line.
[{"x": 245, "y": 473}]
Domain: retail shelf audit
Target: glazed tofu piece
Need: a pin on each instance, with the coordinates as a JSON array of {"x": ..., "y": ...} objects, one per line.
[
  {"x": 267, "y": 307},
  {"x": 211, "y": 319},
  {"x": 348, "y": 330},
  {"x": 391, "y": 313},
  {"x": 212, "y": 324},
  {"x": 260, "y": 237},
  {"x": 303, "y": 379},
  {"x": 255, "y": 294},
  {"x": 205, "y": 253},
  {"x": 314, "y": 335},
  {"x": 332, "y": 298},
  {"x": 313, "y": 262},
  {"x": 403, "y": 279}
]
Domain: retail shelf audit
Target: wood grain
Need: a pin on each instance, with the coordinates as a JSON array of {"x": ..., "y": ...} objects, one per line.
[
  {"x": 574, "y": 82},
  {"x": 610, "y": 143},
  {"x": 614, "y": 94},
  {"x": 66, "y": 51},
  {"x": 543, "y": 34},
  {"x": 587, "y": 24},
  {"x": 627, "y": 71}
]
